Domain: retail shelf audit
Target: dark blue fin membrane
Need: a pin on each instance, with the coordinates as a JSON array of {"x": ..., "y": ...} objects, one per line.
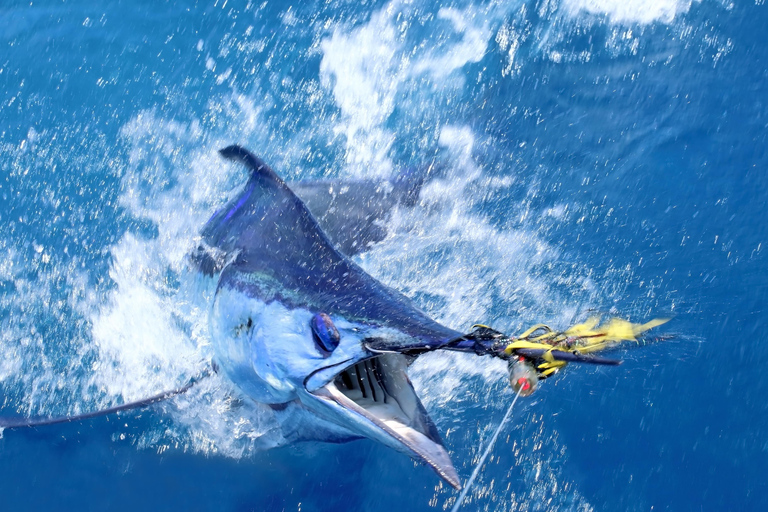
[
  {"x": 278, "y": 252},
  {"x": 354, "y": 213}
]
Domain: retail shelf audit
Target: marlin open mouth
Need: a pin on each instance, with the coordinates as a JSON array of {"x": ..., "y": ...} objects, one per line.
[{"x": 379, "y": 395}]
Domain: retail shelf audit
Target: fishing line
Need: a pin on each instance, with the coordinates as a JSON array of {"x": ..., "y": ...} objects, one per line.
[{"x": 485, "y": 455}]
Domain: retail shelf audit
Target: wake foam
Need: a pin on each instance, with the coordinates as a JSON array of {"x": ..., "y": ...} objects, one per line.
[
  {"x": 380, "y": 67},
  {"x": 642, "y": 12}
]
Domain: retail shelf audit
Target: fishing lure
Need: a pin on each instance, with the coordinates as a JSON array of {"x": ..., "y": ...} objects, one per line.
[{"x": 540, "y": 351}]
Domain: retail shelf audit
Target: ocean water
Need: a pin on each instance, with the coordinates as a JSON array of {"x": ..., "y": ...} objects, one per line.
[{"x": 604, "y": 155}]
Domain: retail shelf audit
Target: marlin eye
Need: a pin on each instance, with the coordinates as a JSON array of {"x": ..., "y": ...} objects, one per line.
[{"x": 325, "y": 333}]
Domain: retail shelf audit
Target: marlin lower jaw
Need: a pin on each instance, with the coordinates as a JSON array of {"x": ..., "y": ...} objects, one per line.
[{"x": 374, "y": 398}]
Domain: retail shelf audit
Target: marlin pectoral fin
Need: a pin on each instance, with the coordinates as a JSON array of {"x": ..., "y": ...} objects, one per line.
[{"x": 6, "y": 422}]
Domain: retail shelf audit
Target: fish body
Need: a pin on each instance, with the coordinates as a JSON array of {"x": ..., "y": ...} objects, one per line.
[{"x": 292, "y": 319}]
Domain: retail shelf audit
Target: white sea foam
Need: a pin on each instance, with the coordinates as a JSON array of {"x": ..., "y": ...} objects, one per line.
[
  {"x": 474, "y": 34},
  {"x": 372, "y": 67},
  {"x": 631, "y": 11},
  {"x": 142, "y": 349},
  {"x": 364, "y": 68},
  {"x": 152, "y": 332}
]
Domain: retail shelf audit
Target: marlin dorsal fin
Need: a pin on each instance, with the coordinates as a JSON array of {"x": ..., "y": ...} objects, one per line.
[{"x": 271, "y": 241}]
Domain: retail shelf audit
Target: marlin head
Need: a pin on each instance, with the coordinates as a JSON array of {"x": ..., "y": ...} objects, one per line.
[{"x": 292, "y": 319}]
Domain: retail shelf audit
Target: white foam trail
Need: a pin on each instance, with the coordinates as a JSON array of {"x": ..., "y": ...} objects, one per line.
[
  {"x": 152, "y": 333},
  {"x": 643, "y": 12},
  {"x": 474, "y": 34},
  {"x": 372, "y": 67},
  {"x": 141, "y": 347},
  {"x": 364, "y": 68}
]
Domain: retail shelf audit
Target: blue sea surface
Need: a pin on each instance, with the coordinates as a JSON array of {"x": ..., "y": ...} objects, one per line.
[{"x": 595, "y": 155}]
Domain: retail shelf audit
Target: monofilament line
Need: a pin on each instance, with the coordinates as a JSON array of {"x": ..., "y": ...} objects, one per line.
[{"x": 485, "y": 454}]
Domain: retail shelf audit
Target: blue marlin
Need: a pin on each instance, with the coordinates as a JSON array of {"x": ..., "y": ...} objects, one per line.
[{"x": 299, "y": 326}]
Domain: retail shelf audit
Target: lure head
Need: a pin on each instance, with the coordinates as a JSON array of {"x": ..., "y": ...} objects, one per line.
[{"x": 523, "y": 376}]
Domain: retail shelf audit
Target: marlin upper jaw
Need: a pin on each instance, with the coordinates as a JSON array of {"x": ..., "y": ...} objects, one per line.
[{"x": 374, "y": 397}]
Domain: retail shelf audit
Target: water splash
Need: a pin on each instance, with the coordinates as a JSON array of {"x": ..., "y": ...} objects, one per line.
[{"x": 634, "y": 11}]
